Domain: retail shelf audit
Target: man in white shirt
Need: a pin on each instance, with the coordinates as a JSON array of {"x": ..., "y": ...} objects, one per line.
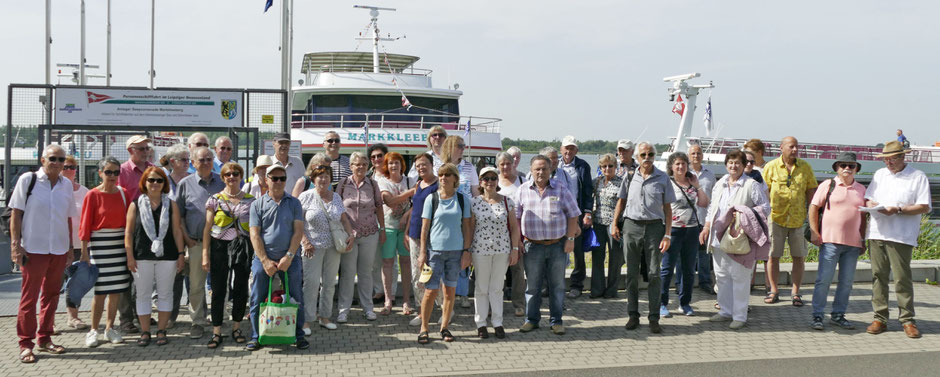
[
  {"x": 41, "y": 245},
  {"x": 292, "y": 165},
  {"x": 904, "y": 194}
]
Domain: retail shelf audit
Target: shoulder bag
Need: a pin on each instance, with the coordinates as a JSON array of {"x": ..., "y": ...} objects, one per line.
[
  {"x": 336, "y": 228},
  {"x": 735, "y": 241}
]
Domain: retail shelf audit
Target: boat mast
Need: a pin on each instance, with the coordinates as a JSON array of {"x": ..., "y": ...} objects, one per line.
[
  {"x": 374, "y": 12},
  {"x": 690, "y": 93}
]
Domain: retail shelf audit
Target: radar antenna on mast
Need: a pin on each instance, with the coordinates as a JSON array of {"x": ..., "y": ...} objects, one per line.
[
  {"x": 690, "y": 93},
  {"x": 374, "y": 12}
]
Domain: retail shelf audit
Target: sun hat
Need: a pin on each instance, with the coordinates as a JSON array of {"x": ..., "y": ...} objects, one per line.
[
  {"x": 568, "y": 140},
  {"x": 136, "y": 139},
  {"x": 488, "y": 169},
  {"x": 892, "y": 148},
  {"x": 846, "y": 157},
  {"x": 264, "y": 160}
]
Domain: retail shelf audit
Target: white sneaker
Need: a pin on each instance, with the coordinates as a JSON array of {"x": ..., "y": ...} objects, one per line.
[
  {"x": 371, "y": 316},
  {"x": 328, "y": 325},
  {"x": 342, "y": 318},
  {"x": 416, "y": 321},
  {"x": 465, "y": 302},
  {"x": 307, "y": 331},
  {"x": 91, "y": 339},
  {"x": 114, "y": 336}
]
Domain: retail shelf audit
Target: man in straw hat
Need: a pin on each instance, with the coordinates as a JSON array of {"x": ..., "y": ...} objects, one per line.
[{"x": 903, "y": 194}]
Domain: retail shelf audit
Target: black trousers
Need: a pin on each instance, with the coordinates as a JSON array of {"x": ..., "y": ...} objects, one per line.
[
  {"x": 601, "y": 286},
  {"x": 219, "y": 270}
]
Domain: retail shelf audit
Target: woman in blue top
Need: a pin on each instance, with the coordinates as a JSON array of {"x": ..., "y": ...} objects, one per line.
[
  {"x": 427, "y": 185},
  {"x": 446, "y": 234}
]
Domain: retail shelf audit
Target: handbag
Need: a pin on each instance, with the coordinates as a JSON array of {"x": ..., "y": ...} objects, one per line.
[
  {"x": 336, "y": 229},
  {"x": 735, "y": 241},
  {"x": 277, "y": 323},
  {"x": 589, "y": 240},
  {"x": 807, "y": 232}
]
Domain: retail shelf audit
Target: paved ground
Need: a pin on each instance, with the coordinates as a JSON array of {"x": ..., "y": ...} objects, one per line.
[{"x": 596, "y": 344}]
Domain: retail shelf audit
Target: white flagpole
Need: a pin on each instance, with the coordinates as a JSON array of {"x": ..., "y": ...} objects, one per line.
[
  {"x": 285, "y": 45},
  {"x": 108, "y": 61},
  {"x": 81, "y": 60},
  {"x": 153, "y": 8},
  {"x": 48, "y": 42}
]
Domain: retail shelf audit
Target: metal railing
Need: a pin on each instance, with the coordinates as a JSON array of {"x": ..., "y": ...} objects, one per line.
[
  {"x": 367, "y": 68},
  {"x": 395, "y": 120},
  {"x": 814, "y": 150}
]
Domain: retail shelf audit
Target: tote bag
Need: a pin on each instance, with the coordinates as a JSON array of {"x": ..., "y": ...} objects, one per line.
[{"x": 277, "y": 323}]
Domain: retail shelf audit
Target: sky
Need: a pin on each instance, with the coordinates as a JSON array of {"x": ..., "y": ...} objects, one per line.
[{"x": 824, "y": 71}]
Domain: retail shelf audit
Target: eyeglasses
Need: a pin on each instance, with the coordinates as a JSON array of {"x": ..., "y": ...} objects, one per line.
[
  {"x": 847, "y": 166},
  {"x": 111, "y": 173},
  {"x": 232, "y": 174},
  {"x": 489, "y": 178},
  {"x": 282, "y": 178},
  {"x": 225, "y": 148},
  {"x": 202, "y": 145},
  {"x": 461, "y": 146},
  {"x": 438, "y": 135},
  {"x": 181, "y": 159},
  {"x": 55, "y": 159},
  {"x": 205, "y": 160},
  {"x": 751, "y": 162},
  {"x": 141, "y": 149},
  {"x": 645, "y": 155},
  {"x": 608, "y": 166},
  {"x": 448, "y": 175},
  {"x": 70, "y": 167},
  {"x": 332, "y": 141},
  {"x": 155, "y": 180},
  {"x": 377, "y": 156}
]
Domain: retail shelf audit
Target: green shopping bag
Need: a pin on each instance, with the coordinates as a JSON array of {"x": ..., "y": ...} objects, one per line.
[{"x": 277, "y": 323}]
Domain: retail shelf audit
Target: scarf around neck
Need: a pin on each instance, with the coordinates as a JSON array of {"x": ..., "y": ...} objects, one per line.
[{"x": 146, "y": 218}]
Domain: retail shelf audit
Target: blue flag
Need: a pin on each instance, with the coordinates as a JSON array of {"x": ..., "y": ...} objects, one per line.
[{"x": 268, "y": 4}]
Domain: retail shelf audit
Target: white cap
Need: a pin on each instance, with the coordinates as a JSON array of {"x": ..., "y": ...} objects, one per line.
[
  {"x": 489, "y": 169},
  {"x": 625, "y": 144},
  {"x": 273, "y": 168},
  {"x": 568, "y": 140},
  {"x": 136, "y": 139}
]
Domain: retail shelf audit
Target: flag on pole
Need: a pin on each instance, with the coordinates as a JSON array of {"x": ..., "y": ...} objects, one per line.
[
  {"x": 365, "y": 133},
  {"x": 679, "y": 108},
  {"x": 708, "y": 116},
  {"x": 405, "y": 102},
  {"x": 268, "y": 4},
  {"x": 466, "y": 132}
]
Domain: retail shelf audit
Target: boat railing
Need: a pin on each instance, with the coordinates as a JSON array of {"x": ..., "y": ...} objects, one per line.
[
  {"x": 363, "y": 68},
  {"x": 450, "y": 122},
  {"x": 814, "y": 150}
]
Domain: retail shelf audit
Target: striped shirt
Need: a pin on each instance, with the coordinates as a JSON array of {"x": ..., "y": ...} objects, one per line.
[{"x": 545, "y": 216}]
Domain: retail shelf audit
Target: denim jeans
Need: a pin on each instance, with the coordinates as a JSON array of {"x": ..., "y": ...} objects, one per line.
[
  {"x": 683, "y": 251},
  {"x": 545, "y": 261},
  {"x": 831, "y": 254},
  {"x": 259, "y": 292}
]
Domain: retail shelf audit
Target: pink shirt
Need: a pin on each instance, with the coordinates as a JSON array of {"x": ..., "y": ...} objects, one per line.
[
  {"x": 360, "y": 202},
  {"x": 841, "y": 220},
  {"x": 130, "y": 178}
]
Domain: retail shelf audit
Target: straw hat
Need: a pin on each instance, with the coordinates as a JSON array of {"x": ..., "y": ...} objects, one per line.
[{"x": 892, "y": 148}]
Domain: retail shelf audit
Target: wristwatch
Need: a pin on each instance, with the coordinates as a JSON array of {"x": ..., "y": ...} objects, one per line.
[
  {"x": 571, "y": 239},
  {"x": 466, "y": 250},
  {"x": 290, "y": 254}
]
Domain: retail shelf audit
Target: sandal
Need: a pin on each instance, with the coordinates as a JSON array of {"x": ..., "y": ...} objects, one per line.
[
  {"x": 52, "y": 348},
  {"x": 386, "y": 310},
  {"x": 215, "y": 341},
  {"x": 144, "y": 339},
  {"x": 447, "y": 336},
  {"x": 27, "y": 356},
  {"x": 717, "y": 307},
  {"x": 771, "y": 298},
  {"x": 161, "y": 338},
  {"x": 424, "y": 338},
  {"x": 407, "y": 310},
  {"x": 238, "y": 337},
  {"x": 797, "y": 300}
]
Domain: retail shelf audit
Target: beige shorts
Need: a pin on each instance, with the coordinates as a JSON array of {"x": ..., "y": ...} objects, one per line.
[{"x": 780, "y": 235}]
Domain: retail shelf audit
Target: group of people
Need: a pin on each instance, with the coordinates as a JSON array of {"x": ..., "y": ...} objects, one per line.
[{"x": 201, "y": 219}]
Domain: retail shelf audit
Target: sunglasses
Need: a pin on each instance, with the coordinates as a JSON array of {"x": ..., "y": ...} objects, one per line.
[
  {"x": 489, "y": 178},
  {"x": 111, "y": 173},
  {"x": 155, "y": 180},
  {"x": 751, "y": 162},
  {"x": 607, "y": 166},
  {"x": 225, "y": 148},
  {"x": 141, "y": 149},
  {"x": 282, "y": 178},
  {"x": 461, "y": 146},
  {"x": 448, "y": 175},
  {"x": 205, "y": 160},
  {"x": 645, "y": 155},
  {"x": 847, "y": 166},
  {"x": 70, "y": 167},
  {"x": 202, "y": 144},
  {"x": 377, "y": 156},
  {"x": 438, "y": 135},
  {"x": 332, "y": 141},
  {"x": 232, "y": 174},
  {"x": 55, "y": 159}
]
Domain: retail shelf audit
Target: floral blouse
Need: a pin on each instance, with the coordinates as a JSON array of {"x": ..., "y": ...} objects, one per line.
[
  {"x": 683, "y": 213},
  {"x": 491, "y": 235},
  {"x": 222, "y": 228},
  {"x": 316, "y": 225},
  {"x": 605, "y": 199}
]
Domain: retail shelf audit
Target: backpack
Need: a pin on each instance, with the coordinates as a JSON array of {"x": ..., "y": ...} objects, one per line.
[{"x": 7, "y": 213}]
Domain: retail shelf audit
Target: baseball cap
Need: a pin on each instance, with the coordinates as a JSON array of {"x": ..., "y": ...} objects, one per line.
[
  {"x": 281, "y": 136},
  {"x": 625, "y": 144},
  {"x": 272, "y": 168},
  {"x": 568, "y": 140},
  {"x": 488, "y": 169},
  {"x": 136, "y": 139}
]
